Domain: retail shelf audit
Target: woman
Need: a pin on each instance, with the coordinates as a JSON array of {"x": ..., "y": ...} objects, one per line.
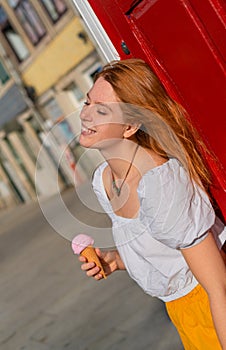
[{"x": 154, "y": 185}]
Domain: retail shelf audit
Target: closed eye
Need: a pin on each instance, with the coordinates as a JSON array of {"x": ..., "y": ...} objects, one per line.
[{"x": 101, "y": 112}]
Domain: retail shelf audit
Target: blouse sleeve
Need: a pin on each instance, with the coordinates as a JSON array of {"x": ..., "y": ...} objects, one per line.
[
  {"x": 177, "y": 211},
  {"x": 97, "y": 184},
  {"x": 99, "y": 191}
]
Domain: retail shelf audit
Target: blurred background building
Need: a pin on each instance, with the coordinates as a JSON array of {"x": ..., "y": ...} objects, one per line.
[{"x": 47, "y": 64}]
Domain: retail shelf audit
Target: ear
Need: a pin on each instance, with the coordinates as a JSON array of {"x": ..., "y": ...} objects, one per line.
[{"x": 130, "y": 130}]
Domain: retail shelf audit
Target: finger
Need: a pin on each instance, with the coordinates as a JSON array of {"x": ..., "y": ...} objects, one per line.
[
  {"x": 87, "y": 266},
  {"x": 98, "y": 277},
  {"x": 99, "y": 253},
  {"x": 82, "y": 258},
  {"x": 93, "y": 272}
]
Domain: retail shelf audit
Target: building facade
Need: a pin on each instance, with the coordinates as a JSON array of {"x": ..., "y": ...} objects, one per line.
[{"x": 47, "y": 64}]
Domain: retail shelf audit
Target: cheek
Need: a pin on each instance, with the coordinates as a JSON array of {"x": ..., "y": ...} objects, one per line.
[{"x": 112, "y": 130}]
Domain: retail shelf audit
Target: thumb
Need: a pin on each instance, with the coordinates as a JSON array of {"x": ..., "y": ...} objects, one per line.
[{"x": 100, "y": 254}]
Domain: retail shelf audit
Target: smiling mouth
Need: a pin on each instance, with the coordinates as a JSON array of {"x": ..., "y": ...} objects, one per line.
[{"x": 87, "y": 131}]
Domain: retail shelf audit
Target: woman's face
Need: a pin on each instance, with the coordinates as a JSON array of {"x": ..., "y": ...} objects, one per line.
[{"x": 101, "y": 117}]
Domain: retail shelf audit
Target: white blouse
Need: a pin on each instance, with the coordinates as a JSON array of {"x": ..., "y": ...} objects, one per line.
[{"x": 174, "y": 213}]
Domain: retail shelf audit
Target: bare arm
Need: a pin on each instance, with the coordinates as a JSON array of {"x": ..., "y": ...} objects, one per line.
[
  {"x": 111, "y": 261},
  {"x": 208, "y": 267},
  {"x": 223, "y": 252}
]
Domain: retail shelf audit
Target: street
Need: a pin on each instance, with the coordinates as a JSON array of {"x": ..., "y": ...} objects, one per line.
[{"x": 47, "y": 302}]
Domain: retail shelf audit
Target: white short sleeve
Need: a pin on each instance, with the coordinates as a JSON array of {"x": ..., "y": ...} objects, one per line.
[{"x": 177, "y": 212}]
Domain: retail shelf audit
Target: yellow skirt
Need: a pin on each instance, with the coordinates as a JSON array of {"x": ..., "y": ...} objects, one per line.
[{"x": 192, "y": 317}]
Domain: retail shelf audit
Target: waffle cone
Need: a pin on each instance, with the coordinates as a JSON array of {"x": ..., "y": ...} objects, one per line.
[{"x": 90, "y": 254}]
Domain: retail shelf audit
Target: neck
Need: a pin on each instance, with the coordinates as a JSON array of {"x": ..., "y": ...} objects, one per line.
[{"x": 119, "y": 157}]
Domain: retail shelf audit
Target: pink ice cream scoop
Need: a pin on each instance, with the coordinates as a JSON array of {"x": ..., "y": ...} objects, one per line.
[
  {"x": 80, "y": 242},
  {"x": 83, "y": 244}
]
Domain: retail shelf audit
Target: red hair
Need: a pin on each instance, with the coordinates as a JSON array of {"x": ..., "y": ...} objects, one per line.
[{"x": 165, "y": 127}]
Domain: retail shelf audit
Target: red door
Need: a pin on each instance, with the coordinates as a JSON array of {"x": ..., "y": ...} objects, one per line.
[{"x": 185, "y": 43}]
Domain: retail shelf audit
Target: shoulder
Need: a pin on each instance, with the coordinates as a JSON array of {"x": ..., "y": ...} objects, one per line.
[
  {"x": 171, "y": 185},
  {"x": 169, "y": 176},
  {"x": 177, "y": 208}
]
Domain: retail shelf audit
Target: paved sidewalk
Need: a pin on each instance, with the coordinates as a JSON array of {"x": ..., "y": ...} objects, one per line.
[{"x": 47, "y": 302}]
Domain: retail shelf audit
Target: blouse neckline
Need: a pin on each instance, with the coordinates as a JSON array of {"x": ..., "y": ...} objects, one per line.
[{"x": 153, "y": 170}]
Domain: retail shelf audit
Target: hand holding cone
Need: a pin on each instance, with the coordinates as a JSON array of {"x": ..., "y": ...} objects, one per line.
[{"x": 83, "y": 244}]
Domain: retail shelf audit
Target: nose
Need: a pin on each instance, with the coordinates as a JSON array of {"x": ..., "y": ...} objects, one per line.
[{"x": 85, "y": 113}]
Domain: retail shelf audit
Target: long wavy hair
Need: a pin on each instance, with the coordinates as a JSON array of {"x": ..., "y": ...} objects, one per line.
[{"x": 165, "y": 126}]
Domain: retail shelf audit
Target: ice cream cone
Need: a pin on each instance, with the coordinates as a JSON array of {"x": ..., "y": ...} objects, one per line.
[{"x": 90, "y": 254}]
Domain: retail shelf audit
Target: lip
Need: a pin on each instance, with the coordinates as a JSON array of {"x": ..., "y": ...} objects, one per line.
[{"x": 87, "y": 131}]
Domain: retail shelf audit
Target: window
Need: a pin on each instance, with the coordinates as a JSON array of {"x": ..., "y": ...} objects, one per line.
[
  {"x": 62, "y": 131},
  {"x": 15, "y": 41},
  {"x": 4, "y": 77},
  {"x": 92, "y": 74},
  {"x": 54, "y": 8},
  {"x": 29, "y": 19},
  {"x": 75, "y": 90},
  {"x": 52, "y": 109}
]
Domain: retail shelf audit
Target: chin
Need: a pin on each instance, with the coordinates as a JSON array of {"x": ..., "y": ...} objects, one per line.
[
  {"x": 84, "y": 142},
  {"x": 87, "y": 142}
]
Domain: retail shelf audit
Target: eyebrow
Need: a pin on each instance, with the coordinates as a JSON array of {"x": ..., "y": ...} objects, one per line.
[{"x": 100, "y": 103}]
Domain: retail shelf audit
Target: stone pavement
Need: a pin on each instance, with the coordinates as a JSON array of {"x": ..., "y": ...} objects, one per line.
[{"x": 47, "y": 302}]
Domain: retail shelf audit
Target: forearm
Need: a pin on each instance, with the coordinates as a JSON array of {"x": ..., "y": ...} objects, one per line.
[
  {"x": 223, "y": 252},
  {"x": 218, "y": 309}
]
